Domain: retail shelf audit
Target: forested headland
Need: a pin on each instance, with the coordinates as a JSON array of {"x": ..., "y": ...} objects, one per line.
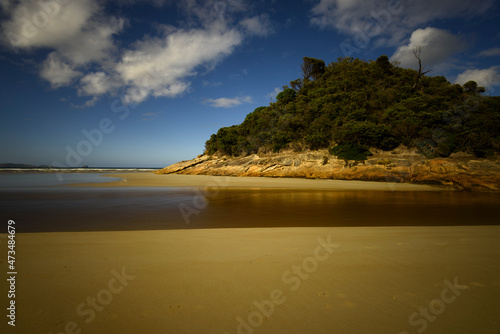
[{"x": 352, "y": 105}]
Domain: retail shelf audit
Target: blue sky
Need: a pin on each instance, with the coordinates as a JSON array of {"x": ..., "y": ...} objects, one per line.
[{"x": 145, "y": 83}]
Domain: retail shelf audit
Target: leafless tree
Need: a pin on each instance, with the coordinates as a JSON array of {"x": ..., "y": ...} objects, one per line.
[{"x": 417, "y": 52}]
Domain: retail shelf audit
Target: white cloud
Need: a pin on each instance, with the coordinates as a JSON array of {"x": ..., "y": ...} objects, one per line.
[
  {"x": 487, "y": 78},
  {"x": 94, "y": 84},
  {"x": 438, "y": 45},
  {"x": 50, "y": 26},
  {"x": 58, "y": 73},
  {"x": 92, "y": 44},
  {"x": 80, "y": 37},
  {"x": 258, "y": 25},
  {"x": 382, "y": 18},
  {"x": 75, "y": 30},
  {"x": 160, "y": 66},
  {"x": 228, "y": 102},
  {"x": 490, "y": 52}
]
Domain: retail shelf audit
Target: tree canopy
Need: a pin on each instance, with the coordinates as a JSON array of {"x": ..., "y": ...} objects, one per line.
[
  {"x": 352, "y": 105},
  {"x": 312, "y": 68}
]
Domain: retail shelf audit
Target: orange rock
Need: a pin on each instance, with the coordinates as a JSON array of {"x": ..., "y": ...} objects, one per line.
[{"x": 463, "y": 172}]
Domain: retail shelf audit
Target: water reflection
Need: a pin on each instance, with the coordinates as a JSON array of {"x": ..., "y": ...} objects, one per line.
[
  {"x": 349, "y": 208},
  {"x": 84, "y": 209}
]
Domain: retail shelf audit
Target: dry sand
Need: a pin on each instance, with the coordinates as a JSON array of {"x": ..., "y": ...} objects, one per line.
[
  {"x": 369, "y": 280},
  {"x": 179, "y": 180}
]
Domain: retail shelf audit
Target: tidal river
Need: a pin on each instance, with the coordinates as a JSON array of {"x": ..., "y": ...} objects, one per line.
[{"x": 39, "y": 203}]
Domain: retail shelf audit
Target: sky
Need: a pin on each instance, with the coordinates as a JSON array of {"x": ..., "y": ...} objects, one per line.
[{"x": 145, "y": 83}]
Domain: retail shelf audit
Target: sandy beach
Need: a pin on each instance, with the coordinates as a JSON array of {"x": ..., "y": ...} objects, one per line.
[
  {"x": 282, "y": 280},
  {"x": 179, "y": 180},
  {"x": 314, "y": 261}
]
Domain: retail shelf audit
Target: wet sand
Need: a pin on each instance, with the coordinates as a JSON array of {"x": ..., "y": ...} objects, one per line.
[
  {"x": 178, "y": 180},
  {"x": 272, "y": 280}
]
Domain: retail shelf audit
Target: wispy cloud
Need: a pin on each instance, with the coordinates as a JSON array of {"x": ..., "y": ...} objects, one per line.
[
  {"x": 391, "y": 18},
  {"x": 206, "y": 83},
  {"x": 149, "y": 116},
  {"x": 490, "y": 52},
  {"x": 151, "y": 113},
  {"x": 87, "y": 104},
  {"x": 258, "y": 25},
  {"x": 238, "y": 75},
  {"x": 224, "y": 102}
]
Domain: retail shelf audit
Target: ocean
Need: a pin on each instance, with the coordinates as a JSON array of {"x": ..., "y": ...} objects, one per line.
[{"x": 36, "y": 177}]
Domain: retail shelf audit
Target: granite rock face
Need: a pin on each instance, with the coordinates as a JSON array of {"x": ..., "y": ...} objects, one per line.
[{"x": 459, "y": 171}]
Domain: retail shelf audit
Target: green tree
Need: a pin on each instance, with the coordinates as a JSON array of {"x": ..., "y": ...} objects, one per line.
[
  {"x": 312, "y": 68},
  {"x": 286, "y": 96},
  {"x": 384, "y": 65},
  {"x": 211, "y": 145},
  {"x": 472, "y": 87}
]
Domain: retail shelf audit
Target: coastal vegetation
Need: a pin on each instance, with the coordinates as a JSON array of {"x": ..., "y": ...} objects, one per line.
[{"x": 352, "y": 105}]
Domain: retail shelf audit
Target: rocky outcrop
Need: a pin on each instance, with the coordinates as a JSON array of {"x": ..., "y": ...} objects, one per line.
[
  {"x": 460, "y": 171},
  {"x": 183, "y": 165}
]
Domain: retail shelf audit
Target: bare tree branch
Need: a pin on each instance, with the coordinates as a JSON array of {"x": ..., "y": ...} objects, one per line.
[{"x": 417, "y": 52}]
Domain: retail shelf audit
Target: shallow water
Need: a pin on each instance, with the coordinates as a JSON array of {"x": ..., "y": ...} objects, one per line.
[
  {"x": 27, "y": 180},
  {"x": 37, "y": 204}
]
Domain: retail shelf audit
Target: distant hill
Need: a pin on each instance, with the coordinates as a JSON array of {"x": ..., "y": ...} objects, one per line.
[{"x": 351, "y": 106}]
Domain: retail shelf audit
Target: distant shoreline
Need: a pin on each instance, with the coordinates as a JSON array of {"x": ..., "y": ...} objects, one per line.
[{"x": 27, "y": 170}]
